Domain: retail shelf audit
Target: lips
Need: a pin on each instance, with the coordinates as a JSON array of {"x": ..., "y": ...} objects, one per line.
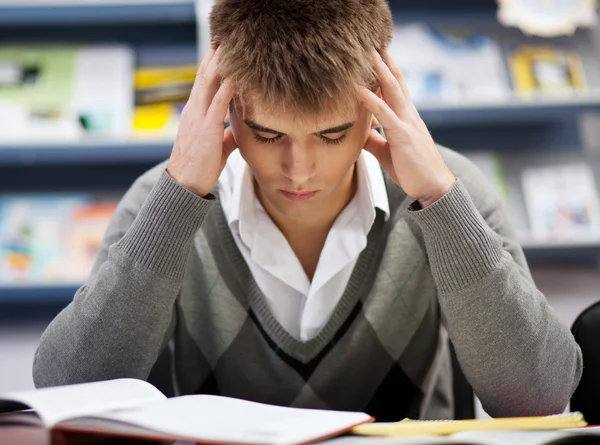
[{"x": 298, "y": 196}]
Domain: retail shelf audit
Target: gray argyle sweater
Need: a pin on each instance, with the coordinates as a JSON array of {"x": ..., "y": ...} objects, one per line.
[{"x": 169, "y": 270}]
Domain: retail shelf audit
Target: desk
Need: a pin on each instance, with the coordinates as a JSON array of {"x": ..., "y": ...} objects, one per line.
[
  {"x": 17, "y": 435},
  {"x": 20, "y": 435}
]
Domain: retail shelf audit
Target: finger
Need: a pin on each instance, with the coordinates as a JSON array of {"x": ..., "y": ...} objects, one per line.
[
  {"x": 205, "y": 85},
  {"x": 382, "y": 111},
  {"x": 206, "y": 59},
  {"x": 218, "y": 108},
  {"x": 390, "y": 87},
  {"x": 397, "y": 73},
  {"x": 210, "y": 54}
]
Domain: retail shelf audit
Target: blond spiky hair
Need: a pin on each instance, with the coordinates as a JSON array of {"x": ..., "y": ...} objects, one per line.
[{"x": 303, "y": 55}]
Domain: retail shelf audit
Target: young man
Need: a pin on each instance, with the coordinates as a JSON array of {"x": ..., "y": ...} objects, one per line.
[{"x": 322, "y": 276}]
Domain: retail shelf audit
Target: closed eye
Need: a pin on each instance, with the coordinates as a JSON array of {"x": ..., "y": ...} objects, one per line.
[
  {"x": 335, "y": 141},
  {"x": 264, "y": 140}
]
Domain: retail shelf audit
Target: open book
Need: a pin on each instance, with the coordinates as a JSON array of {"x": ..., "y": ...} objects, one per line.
[{"x": 134, "y": 408}]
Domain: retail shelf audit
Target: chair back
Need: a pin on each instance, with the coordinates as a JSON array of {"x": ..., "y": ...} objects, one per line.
[{"x": 586, "y": 398}]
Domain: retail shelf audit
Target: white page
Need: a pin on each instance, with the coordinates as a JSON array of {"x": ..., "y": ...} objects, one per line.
[
  {"x": 103, "y": 86},
  {"x": 63, "y": 402},
  {"x": 214, "y": 418}
]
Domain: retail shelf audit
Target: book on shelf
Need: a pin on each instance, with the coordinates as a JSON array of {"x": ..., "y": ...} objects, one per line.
[
  {"x": 545, "y": 70},
  {"x": 561, "y": 203},
  {"x": 136, "y": 409},
  {"x": 50, "y": 238},
  {"x": 160, "y": 95},
  {"x": 433, "y": 63},
  {"x": 64, "y": 92}
]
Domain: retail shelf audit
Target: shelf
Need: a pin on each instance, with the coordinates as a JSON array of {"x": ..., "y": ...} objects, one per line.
[
  {"x": 510, "y": 110},
  {"x": 561, "y": 245},
  {"x": 50, "y": 294},
  {"x": 86, "y": 152},
  {"x": 587, "y": 252},
  {"x": 30, "y": 13},
  {"x": 121, "y": 151}
]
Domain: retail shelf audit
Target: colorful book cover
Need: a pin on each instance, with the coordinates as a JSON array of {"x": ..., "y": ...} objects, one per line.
[
  {"x": 51, "y": 238},
  {"x": 450, "y": 65},
  {"x": 160, "y": 95},
  {"x": 562, "y": 203},
  {"x": 546, "y": 70}
]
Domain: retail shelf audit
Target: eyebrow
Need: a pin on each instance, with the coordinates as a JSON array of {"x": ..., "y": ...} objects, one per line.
[{"x": 333, "y": 130}]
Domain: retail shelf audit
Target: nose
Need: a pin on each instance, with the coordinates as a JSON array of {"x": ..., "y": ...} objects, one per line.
[{"x": 299, "y": 162}]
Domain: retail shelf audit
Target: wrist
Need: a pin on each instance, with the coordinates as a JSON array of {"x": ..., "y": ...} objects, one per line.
[
  {"x": 437, "y": 193},
  {"x": 199, "y": 190}
]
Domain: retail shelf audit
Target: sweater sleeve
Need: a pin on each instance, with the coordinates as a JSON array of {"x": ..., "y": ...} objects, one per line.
[
  {"x": 119, "y": 319},
  {"x": 518, "y": 357}
]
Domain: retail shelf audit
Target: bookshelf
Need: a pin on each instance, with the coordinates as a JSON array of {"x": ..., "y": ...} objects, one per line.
[
  {"x": 167, "y": 32},
  {"x": 85, "y": 152},
  {"x": 50, "y": 13}
]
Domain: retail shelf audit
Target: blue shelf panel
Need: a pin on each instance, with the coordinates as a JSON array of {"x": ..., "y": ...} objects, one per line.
[
  {"x": 37, "y": 294},
  {"x": 94, "y": 13},
  {"x": 577, "y": 255},
  {"x": 87, "y": 153},
  {"x": 62, "y": 295},
  {"x": 511, "y": 112}
]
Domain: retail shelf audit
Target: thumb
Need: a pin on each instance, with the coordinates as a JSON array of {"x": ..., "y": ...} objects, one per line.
[
  {"x": 229, "y": 142},
  {"x": 376, "y": 143},
  {"x": 378, "y": 146}
]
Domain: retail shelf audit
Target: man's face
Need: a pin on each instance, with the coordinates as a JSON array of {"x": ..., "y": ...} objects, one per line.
[{"x": 303, "y": 166}]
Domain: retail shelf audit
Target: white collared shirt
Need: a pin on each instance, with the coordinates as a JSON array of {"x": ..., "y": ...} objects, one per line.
[{"x": 300, "y": 306}]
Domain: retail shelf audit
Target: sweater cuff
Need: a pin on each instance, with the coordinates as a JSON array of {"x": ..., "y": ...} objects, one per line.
[
  {"x": 159, "y": 238},
  {"x": 461, "y": 247}
]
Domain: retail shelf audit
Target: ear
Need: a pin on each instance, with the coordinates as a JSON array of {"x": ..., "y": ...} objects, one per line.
[
  {"x": 374, "y": 122},
  {"x": 227, "y": 116}
]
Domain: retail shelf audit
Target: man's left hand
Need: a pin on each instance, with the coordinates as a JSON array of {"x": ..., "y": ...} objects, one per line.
[{"x": 409, "y": 155}]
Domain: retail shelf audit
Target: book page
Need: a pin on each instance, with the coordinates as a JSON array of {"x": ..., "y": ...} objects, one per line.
[
  {"x": 204, "y": 418},
  {"x": 63, "y": 402}
]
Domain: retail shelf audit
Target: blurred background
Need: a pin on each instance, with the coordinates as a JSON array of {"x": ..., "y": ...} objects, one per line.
[{"x": 91, "y": 92}]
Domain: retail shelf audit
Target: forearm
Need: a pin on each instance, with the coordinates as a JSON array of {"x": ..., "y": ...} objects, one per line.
[
  {"x": 516, "y": 354},
  {"x": 118, "y": 320}
]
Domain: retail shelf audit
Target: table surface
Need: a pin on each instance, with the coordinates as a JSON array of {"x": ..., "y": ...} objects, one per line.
[{"x": 24, "y": 435}]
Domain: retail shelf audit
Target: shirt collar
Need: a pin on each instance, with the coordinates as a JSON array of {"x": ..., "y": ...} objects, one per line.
[{"x": 371, "y": 178}]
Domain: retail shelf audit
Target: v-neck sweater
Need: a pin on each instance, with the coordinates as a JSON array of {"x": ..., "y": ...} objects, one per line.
[{"x": 169, "y": 272}]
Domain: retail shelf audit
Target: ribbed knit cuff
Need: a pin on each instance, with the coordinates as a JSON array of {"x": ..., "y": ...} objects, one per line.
[
  {"x": 461, "y": 247},
  {"x": 159, "y": 239}
]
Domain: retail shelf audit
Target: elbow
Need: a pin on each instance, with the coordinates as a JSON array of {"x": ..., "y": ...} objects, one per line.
[
  {"x": 546, "y": 391},
  {"x": 39, "y": 371},
  {"x": 46, "y": 369}
]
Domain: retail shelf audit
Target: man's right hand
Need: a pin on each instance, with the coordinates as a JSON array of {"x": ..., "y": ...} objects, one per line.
[{"x": 202, "y": 145}]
